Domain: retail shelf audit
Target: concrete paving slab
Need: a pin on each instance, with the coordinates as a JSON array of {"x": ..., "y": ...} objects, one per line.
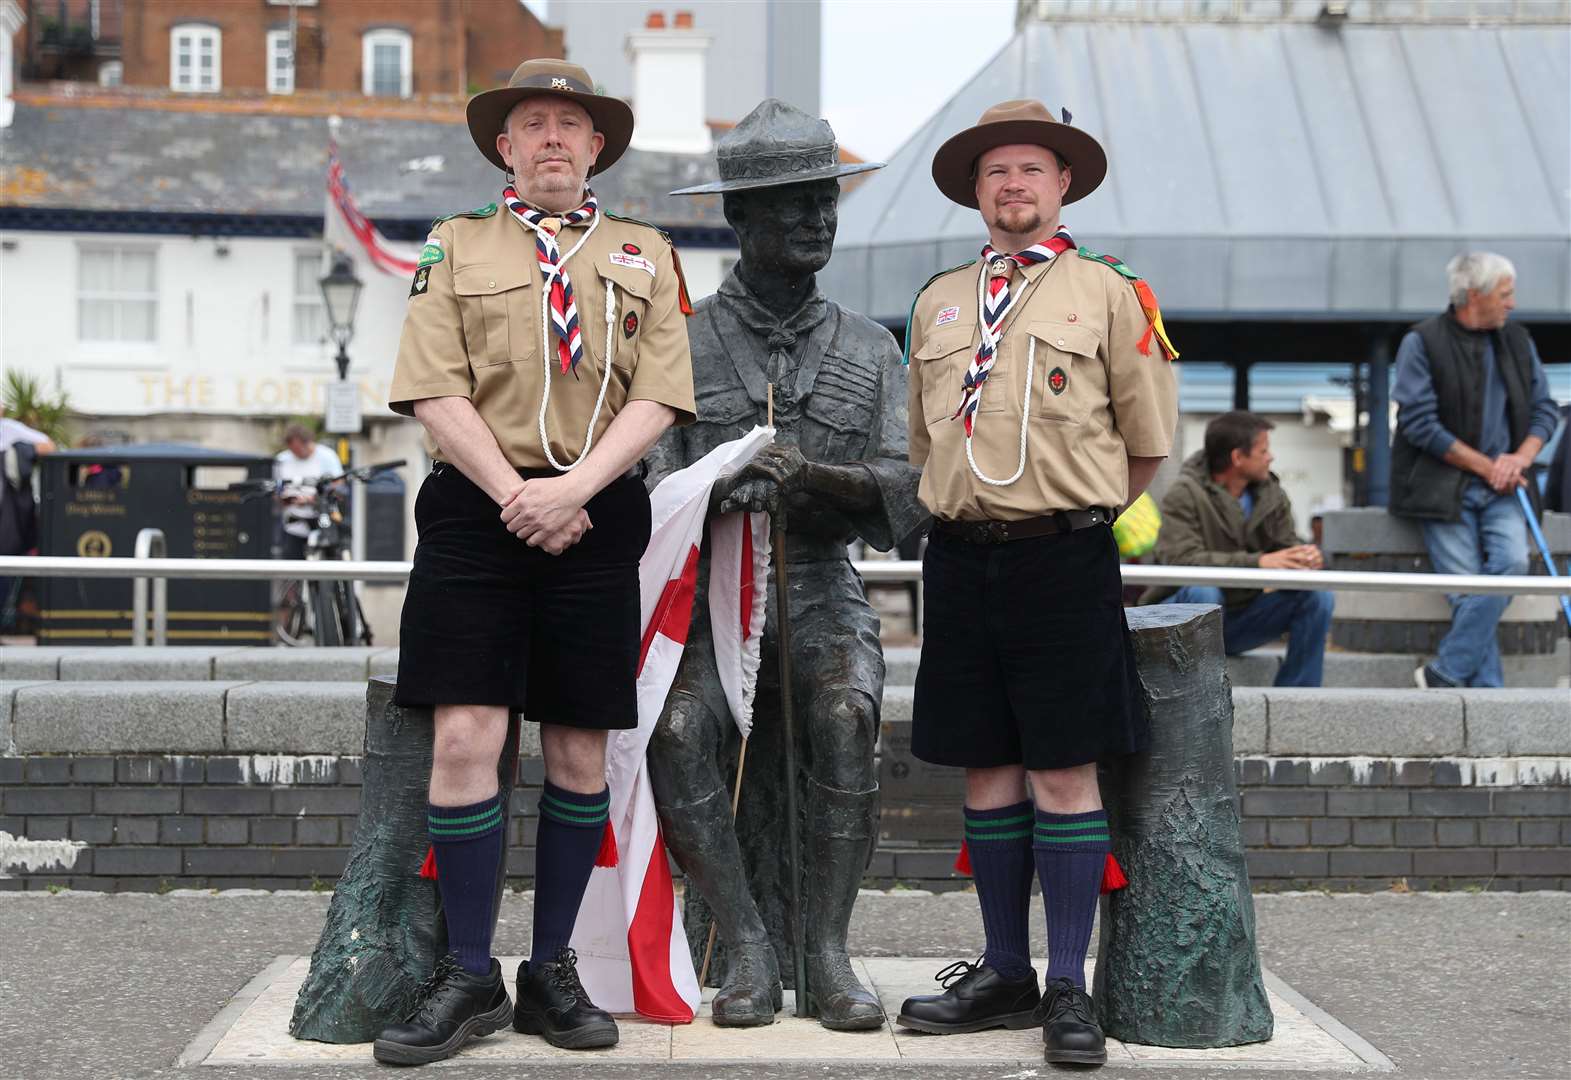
[
  {"x": 1402, "y": 723},
  {"x": 32, "y": 661},
  {"x": 348, "y": 662},
  {"x": 256, "y": 1033},
  {"x": 297, "y": 718},
  {"x": 1511, "y": 722},
  {"x": 120, "y": 717},
  {"x": 8, "y": 689},
  {"x": 1249, "y": 720},
  {"x": 172, "y": 662}
]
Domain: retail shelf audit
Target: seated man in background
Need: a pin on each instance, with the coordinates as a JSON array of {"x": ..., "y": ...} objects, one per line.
[{"x": 1227, "y": 509}]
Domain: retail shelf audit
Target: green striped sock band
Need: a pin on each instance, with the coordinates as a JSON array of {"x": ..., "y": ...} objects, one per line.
[
  {"x": 995, "y": 830},
  {"x": 1087, "y": 831},
  {"x": 571, "y": 808},
  {"x": 464, "y": 822}
]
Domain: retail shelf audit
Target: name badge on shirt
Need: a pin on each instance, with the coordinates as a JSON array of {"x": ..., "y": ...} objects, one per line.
[
  {"x": 633, "y": 262},
  {"x": 946, "y": 316}
]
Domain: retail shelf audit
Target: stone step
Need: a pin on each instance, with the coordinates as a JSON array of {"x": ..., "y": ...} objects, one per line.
[{"x": 328, "y": 717}]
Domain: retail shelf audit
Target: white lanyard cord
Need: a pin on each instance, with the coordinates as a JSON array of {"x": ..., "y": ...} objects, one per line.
[
  {"x": 545, "y": 353},
  {"x": 1025, "y": 409}
]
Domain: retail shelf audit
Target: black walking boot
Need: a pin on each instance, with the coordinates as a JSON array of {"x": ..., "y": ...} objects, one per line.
[
  {"x": 450, "y": 1007},
  {"x": 976, "y": 997},
  {"x": 1070, "y": 1033},
  {"x": 552, "y": 1004},
  {"x": 752, "y": 994},
  {"x": 838, "y": 846}
]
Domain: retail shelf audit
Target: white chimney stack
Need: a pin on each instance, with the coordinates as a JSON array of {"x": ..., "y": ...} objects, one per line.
[
  {"x": 11, "y": 20},
  {"x": 668, "y": 86}
]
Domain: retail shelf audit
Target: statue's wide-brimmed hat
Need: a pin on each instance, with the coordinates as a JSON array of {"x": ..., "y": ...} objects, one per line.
[
  {"x": 777, "y": 144},
  {"x": 1008, "y": 123},
  {"x": 487, "y": 111}
]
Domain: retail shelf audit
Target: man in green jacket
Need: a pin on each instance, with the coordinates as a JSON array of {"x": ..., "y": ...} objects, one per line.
[{"x": 1227, "y": 509}]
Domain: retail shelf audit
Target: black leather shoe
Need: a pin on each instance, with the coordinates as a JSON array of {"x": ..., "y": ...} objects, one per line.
[
  {"x": 552, "y": 1004},
  {"x": 450, "y": 1007},
  {"x": 1070, "y": 1033},
  {"x": 975, "y": 997}
]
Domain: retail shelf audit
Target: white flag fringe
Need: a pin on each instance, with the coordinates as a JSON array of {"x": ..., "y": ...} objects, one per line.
[
  {"x": 738, "y": 594},
  {"x": 632, "y": 949}
]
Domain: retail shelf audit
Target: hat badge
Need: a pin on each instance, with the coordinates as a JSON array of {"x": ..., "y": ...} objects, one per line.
[{"x": 559, "y": 84}]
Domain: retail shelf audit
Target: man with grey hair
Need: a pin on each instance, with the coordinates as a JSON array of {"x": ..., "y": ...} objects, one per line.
[{"x": 1473, "y": 410}]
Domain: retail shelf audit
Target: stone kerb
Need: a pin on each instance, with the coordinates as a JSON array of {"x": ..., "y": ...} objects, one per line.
[
  {"x": 1400, "y": 723},
  {"x": 148, "y": 664},
  {"x": 108, "y": 717},
  {"x": 296, "y": 718},
  {"x": 103, "y": 663},
  {"x": 299, "y": 665}
]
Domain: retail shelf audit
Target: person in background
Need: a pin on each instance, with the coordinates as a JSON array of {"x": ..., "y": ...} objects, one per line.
[
  {"x": 302, "y": 459},
  {"x": 1227, "y": 508},
  {"x": 1473, "y": 411},
  {"x": 19, "y": 447}
]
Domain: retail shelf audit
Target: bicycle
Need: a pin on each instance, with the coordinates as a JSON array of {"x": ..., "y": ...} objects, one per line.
[{"x": 324, "y": 613}]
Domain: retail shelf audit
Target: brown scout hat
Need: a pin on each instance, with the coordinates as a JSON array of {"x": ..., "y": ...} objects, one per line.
[
  {"x": 1009, "y": 122},
  {"x": 487, "y": 111}
]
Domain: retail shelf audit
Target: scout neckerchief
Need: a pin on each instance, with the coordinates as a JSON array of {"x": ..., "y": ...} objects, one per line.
[
  {"x": 557, "y": 295},
  {"x": 994, "y": 299},
  {"x": 564, "y": 310}
]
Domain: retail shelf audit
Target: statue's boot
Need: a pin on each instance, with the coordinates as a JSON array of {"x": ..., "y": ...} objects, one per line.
[
  {"x": 838, "y": 848},
  {"x": 703, "y": 838}
]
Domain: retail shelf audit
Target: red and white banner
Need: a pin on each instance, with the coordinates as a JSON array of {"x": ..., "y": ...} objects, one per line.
[
  {"x": 632, "y": 950},
  {"x": 346, "y": 229}
]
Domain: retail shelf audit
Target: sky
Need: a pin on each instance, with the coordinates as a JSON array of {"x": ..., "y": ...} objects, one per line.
[{"x": 889, "y": 64}]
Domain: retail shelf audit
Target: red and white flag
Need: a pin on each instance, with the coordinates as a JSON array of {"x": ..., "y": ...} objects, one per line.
[
  {"x": 346, "y": 229},
  {"x": 632, "y": 949}
]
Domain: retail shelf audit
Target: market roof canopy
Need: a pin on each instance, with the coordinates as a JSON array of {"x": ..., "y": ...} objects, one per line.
[{"x": 1262, "y": 170}]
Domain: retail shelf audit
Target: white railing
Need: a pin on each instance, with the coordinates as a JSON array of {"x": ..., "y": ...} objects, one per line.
[{"x": 876, "y": 571}]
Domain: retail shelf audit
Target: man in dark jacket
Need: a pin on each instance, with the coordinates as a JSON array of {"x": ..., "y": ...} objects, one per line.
[
  {"x": 1473, "y": 411},
  {"x": 1227, "y": 509}
]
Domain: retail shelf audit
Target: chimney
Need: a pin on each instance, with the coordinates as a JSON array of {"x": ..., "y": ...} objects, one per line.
[
  {"x": 11, "y": 20},
  {"x": 668, "y": 86}
]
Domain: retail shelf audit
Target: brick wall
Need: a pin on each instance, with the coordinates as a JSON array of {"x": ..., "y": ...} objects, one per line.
[
  {"x": 456, "y": 44},
  {"x": 146, "y": 822}
]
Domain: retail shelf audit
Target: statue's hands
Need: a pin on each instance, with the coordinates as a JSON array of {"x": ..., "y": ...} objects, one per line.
[
  {"x": 756, "y": 495},
  {"x": 780, "y": 463}
]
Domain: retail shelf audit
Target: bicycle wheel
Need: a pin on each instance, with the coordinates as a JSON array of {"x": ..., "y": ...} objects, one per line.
[
  {"x": 328, "y": 629},
  {"x": 291, "y": 621},
  {"x": 344, "y": 604}
]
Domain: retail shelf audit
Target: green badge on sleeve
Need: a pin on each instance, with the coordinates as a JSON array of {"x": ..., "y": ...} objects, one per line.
[{"x": 430, "y": 254}]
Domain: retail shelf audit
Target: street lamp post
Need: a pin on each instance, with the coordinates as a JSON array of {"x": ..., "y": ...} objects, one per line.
[{"x": 341, "y": 296}]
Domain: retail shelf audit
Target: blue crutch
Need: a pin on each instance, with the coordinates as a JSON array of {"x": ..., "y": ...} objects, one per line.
[{"x": 1543, "y": 546}]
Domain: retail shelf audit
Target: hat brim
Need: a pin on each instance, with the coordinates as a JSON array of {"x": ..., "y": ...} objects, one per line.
[
  {"x": 828, "y": 172},
  {"x": 954, "y": 163},
  {"x": 487, "y": 112}
]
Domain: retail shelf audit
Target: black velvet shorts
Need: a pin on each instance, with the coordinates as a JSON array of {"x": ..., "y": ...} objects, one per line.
[
  {"x": 489, "y": 620},
  {"x": 1027, "y": 658}
]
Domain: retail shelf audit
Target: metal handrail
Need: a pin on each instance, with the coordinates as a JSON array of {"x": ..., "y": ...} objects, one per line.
[
  {"x": 150, "y": 544},
  {"x": 877, "y": 571}
]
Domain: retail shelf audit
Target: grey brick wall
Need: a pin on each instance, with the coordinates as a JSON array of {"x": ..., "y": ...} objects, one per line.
[{"x": 147, "y": 822}]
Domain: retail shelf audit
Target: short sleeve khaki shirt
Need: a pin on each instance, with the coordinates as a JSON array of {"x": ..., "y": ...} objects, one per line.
[
  {"x": 473, "y": 329},
  {"x": 1094, "y": 396}
]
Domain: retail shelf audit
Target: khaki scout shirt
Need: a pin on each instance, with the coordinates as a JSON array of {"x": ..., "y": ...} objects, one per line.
[
  {"x": 473, "y": 330},
  {"x": 1086, "y": 322}
]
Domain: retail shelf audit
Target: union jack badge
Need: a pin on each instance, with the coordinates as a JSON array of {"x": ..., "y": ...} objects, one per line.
[{"x": 948, "y": 315}]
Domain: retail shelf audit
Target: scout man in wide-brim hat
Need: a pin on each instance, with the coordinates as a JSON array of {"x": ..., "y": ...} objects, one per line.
[
  {"x": 544, "y": 350},
  {"x": 1041, "y": 403}
]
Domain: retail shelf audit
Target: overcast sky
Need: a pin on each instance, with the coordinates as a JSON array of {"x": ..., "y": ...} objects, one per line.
[{"x": 889, "y": 64}]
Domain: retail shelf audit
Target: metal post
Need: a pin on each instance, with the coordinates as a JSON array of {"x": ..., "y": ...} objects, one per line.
[
  {"x": 1377, "y": 462},
  {"x": 1241, "y": 385},
  {"x": 150, "y": 545}
]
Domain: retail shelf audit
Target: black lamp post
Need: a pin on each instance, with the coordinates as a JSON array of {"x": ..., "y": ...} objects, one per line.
[{"x": 341, "y": 295}]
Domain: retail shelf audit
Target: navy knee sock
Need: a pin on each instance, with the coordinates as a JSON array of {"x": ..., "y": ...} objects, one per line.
[
  {"x": 571, "y": 829},
  {"x": 469, "y": 847},
  {"x": 999, "y": 842},
  {"x": 1070, "y": 850}
]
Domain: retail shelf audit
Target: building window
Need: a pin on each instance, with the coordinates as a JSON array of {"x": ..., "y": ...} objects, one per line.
[
  {"x": 310, "y": 320},
  {"x": 117, "y": 294},
  {"x": 111, "y": 73},
  {"x": 280, "y": 63},
  {"x": 194, "y": 59},
  {"x": 386, "y": 63}
]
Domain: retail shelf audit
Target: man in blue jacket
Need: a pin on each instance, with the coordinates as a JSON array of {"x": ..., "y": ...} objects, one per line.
[{"x": 1473, "y": 410}]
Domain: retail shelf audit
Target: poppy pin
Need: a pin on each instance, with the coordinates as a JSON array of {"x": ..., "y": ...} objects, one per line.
[{"x": 632, "y": 249}]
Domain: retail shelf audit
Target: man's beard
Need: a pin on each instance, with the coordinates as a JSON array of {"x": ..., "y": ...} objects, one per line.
[{"x": 1018, "y": 221}]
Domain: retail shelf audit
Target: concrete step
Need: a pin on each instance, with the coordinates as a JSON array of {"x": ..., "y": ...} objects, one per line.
[{"x": 327, "y": 717}]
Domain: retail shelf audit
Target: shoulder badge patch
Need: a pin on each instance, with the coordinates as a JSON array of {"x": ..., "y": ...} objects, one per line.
[
  {"x": 421, "y": 276},
  {"x": 431, "y": 253},
  {"x": 947, "y": 316},
  {"x": 1153, "y": 313},
  {"x": 478, "y": 212},
  {"x": 905, "y": 354}
]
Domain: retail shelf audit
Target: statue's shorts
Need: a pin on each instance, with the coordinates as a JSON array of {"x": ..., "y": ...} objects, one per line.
[
  {"x": 1027, "y": 658},
  {"x": 489, "y": 620}
]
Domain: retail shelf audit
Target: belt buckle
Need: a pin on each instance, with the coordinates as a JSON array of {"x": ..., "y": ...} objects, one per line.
[{"x": 998, "y": 532}]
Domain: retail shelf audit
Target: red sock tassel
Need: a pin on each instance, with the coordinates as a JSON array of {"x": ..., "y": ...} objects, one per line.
[
  {"x": 607, "y": 853},
  {"x": 1113, "y": 877},
  {"x": 963, "y": 860},
  {"x": 428, "y": 868}
]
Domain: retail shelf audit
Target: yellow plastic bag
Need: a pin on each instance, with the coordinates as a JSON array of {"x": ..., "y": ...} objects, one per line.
[{"x": 1137, "y": 527}]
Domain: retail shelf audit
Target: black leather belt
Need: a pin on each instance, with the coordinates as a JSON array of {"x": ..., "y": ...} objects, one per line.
[{"x": 1001, "y": 532}]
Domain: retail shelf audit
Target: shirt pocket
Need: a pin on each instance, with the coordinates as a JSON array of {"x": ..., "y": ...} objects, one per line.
[
  {"x": 496, "y": 303},
  {"x": 944, "y": 358},
  {"x": 632, "y": 289},
  {"x": 1068, "y": 375},
  {"x": 726, "y": 406}
]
